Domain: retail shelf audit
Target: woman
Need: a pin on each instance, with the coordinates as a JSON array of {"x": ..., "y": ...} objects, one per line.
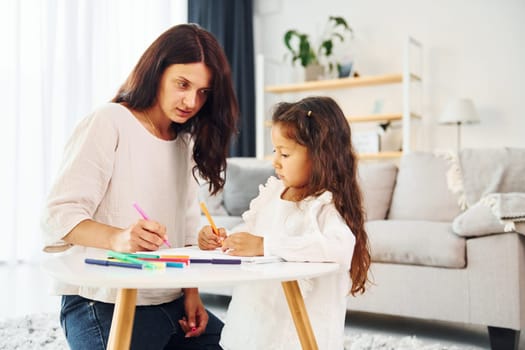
[{"x": 173, "y": 117}]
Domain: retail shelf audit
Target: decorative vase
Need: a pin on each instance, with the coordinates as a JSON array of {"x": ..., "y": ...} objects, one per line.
[
  {"x": 344, "y": 69},
  {"x": 313, "y": 72}
]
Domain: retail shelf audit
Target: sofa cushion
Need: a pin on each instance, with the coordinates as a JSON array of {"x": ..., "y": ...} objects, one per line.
[
  {"x": 421, "y": 191},
  {"x": 416, "y": 243},
  {"x": 377, "y": 182},
  {"x": 243, "y": 177},
  {"x": 485, "y": 171},
  {"x": 213, "y": 203}
]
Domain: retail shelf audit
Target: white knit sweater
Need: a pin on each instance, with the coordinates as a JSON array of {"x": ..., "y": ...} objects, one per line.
[{"x": 110, "y": 162}]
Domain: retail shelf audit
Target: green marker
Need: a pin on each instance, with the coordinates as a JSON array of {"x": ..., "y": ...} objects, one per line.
[
  {"x": 127, "y": 258},
  {"x": 142, "y": 255}
]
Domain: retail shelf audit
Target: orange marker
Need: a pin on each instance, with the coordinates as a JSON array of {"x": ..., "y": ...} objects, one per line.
[
  {"x": 174, "y": 256},
  {"x": 210, "y": 220}
]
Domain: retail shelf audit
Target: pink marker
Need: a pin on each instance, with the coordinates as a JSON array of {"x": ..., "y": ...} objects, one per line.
[{"x": 145, "y": 217}]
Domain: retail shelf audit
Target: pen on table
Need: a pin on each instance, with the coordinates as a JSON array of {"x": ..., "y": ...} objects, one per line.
[
  {"x": 162, "y": 262},
  {"x": 175, "y": 264},
  {"x": 226, "y": 261},
  {"x": 174, "y": 256},
  {"x": 126, "y": 258},
  {"x": 145, "y": 217},
  {"x": 187, "y": 260},
  {"x": 143, "y": 255},
  {"x": 216, "y": 261},
  {"x": 167, "y": 260},
  {"x": 210, "y": 220},
  {"x": 112, "y": 263}
]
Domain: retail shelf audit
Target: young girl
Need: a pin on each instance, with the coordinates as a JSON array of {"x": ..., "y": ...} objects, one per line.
[{"x": 313, "y": 212}]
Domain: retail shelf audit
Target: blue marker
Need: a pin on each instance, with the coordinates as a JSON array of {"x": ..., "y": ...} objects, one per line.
[
  {"x": 217, "y": 261},
  {"x": 174, "y": 264},
  {"x": 112, "y": 263},
  {"x": 226, "y": 261}
]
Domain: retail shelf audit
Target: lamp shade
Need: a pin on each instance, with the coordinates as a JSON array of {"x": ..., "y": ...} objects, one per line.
[{"x": 460, "y": 111}]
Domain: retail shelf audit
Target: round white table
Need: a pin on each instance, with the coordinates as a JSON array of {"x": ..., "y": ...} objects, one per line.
[{"x": 71, "y": 269}]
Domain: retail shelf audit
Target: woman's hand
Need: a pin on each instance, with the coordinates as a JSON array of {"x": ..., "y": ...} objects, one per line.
[
  {"x": 244, "y": 244},
  {"x": 142, "y": 235},
  {"x": 196, "y": 319},
  {"x": 208, "y": 240},
  {"x": 145, "y": 235}
]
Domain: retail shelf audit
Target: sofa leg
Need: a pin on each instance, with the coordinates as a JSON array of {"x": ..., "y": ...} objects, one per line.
[{"x": 503, "y": 338}]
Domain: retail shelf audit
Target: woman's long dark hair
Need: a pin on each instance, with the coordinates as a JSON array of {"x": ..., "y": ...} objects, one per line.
[
  {"x": 320, "y": 125},
  {"x": 215, "y": 123}
]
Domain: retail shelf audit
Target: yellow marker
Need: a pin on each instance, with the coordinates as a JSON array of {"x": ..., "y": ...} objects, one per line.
[{"x": 210, "y": 220}]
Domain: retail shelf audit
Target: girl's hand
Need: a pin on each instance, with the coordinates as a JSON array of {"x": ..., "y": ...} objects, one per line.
[
  {"x": 244, "y": 244},
  {"x": 142, "y": 235},
  {"x": 208, "y": 240},
  {"x": 196, "y": 319}
]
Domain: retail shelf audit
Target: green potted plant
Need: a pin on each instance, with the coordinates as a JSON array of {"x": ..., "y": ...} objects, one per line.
[{"x": 314, "y": 57}]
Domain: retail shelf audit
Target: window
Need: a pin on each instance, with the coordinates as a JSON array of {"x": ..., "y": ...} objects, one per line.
[{"x": 61, "y": 58}]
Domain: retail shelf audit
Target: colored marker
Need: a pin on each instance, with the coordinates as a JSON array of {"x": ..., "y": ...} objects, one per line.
[
  {"x": 178, "y": 260},
  {"x": 200, "y": 261},
  {"x": 145, "y": 256},
  {"x": 145, "y": 217},
  {"x": 112, "y": 263},
  {"x": 126, "y": 258},
  {"x": 210, "y": 220},
  {"x": 215, "y": 261},
  {"x": 226, "y": 261},
  {"x": 175, "y": 264}
]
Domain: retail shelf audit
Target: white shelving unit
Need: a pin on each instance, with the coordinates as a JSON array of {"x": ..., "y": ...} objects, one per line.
[{"x": 409, "y": 78}]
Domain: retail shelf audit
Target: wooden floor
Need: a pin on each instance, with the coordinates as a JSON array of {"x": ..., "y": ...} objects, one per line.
[{"x": 24, "y": 289}]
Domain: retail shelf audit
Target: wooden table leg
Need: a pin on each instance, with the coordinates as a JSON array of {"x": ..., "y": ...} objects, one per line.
[
  {"x": 122, "y": 323},
  {"x": 299, "y": 315}
]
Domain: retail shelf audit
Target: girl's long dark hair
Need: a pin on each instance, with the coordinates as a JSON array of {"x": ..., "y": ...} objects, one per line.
[
  {"x": 216, "y": 122},
  {"x": 320, "y": 125}
]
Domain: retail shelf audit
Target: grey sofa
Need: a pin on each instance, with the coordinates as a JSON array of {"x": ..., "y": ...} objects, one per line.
[{"x": 431, "y": 259}]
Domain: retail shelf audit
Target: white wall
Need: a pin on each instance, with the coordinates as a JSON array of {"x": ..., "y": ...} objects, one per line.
[{"x": 472, "y": 48}]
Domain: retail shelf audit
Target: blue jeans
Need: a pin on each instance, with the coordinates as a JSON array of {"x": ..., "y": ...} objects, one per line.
[{"x": 86, "y": 325}]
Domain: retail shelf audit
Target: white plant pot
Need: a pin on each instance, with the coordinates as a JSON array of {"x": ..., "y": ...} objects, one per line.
[{"x": 313, "y": 72}]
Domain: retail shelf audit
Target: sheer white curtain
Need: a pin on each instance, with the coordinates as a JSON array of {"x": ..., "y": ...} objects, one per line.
[{"x": 59, "y": 60}]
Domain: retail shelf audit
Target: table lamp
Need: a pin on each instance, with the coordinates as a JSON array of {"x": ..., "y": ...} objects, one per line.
[{"x": 459, "y": 111}]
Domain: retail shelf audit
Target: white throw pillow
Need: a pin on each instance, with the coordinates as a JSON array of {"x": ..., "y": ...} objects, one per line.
[
  {"x": 377, "y": 182},
  {"x": 421, "y": 191}
]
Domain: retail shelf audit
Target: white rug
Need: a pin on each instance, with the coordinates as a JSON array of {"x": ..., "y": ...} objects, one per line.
[{"x": 42, "y": 331}]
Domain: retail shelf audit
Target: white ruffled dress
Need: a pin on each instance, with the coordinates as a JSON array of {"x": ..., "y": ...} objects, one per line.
[{"x": 311, "y": 230}]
